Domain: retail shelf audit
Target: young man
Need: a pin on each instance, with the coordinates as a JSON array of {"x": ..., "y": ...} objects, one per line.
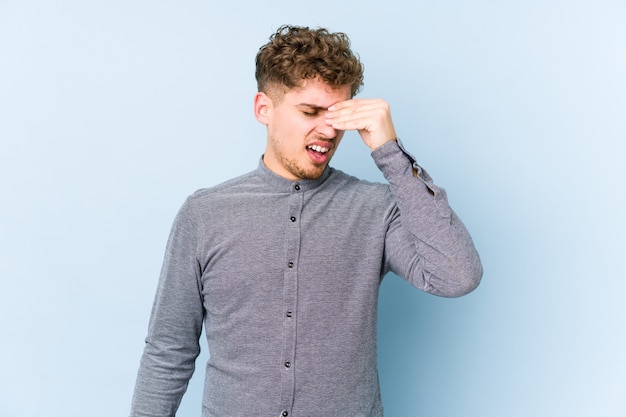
[{"x": 283, "y": 265}]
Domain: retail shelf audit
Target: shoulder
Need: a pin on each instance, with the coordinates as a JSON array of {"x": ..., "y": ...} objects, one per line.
[
  {"x": 354, "y": 189},
  {"x": 347, "y": 182},
  {"x": 237, "y": 185},
  {"x": 216, "y": 199}
]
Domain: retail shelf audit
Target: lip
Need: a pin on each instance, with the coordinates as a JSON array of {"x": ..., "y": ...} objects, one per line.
[
  {"x": 323, "y": 144},
  {"x": 320, "y": 158}
]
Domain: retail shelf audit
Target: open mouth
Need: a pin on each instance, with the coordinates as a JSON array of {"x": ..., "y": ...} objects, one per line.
[
  {"x": 318, "y": 149},
  {"x": 318, "y": 154}
]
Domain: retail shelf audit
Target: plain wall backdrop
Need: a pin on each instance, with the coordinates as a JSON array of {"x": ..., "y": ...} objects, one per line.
[{"x": 112, "y": 112}]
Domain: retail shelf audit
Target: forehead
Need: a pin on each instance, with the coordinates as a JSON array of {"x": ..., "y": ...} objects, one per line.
[{"x": 317, "y": 93}]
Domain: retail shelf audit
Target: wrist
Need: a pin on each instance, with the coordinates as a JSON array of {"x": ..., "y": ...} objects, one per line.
[{"x": 373, "y": 146}]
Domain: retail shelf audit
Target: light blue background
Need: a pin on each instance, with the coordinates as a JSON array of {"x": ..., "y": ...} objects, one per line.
[{"x": 112, "y": 112}]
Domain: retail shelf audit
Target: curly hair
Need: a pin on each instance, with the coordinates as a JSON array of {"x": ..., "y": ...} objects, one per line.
[{"x": 295, "y": 53}]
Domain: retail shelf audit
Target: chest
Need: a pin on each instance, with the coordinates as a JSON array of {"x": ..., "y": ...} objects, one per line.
[{"x": 318, "y": 247}]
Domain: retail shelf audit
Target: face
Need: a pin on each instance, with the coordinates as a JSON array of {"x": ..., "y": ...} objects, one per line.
[{"x": 299, "y": 142}]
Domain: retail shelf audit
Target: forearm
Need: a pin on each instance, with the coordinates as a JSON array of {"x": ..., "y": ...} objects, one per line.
[
  {"x": 161, "y": 381},
  {"x": 432, "y": 248}
]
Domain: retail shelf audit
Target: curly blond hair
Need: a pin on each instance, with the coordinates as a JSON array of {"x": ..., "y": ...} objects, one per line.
[{"x": 296, "y": 53}]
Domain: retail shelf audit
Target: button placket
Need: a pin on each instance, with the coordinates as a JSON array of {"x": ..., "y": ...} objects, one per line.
[{"x": 290, "y": 299}]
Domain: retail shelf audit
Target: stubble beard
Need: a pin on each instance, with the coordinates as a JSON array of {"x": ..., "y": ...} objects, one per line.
[
  {"x": 296, "y": 168},
  {"x": 301, "y": 169}
]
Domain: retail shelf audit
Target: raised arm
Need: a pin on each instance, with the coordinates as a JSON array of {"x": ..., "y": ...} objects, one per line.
[{"x": 426, "y": 243}]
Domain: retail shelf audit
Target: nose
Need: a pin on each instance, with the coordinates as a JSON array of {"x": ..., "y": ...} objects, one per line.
[{"x": 325, "y": 130}]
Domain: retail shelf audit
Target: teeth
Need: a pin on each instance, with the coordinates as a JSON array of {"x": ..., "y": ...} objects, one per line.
[{"x": 318, "y": 148}]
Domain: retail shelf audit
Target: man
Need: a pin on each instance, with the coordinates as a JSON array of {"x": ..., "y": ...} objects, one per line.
[{"x": 283, "y": 265}]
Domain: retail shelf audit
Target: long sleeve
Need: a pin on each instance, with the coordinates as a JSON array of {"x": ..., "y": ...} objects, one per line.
[
  {"x": 172, "y": 343},
  {"x": 426, "y": 243}
]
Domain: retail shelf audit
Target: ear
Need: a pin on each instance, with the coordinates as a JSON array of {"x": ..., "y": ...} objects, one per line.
[{"x": 262, "y": 107}]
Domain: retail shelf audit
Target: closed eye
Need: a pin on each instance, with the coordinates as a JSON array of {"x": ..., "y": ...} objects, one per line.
[{"x": 311, "y": 110}]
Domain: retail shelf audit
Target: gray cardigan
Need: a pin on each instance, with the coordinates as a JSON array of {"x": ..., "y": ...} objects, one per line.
[{"x": 285, "y": 276}]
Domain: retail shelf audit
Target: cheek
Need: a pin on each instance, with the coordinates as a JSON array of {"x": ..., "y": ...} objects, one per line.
[
  {"x": 291, "y": 130},
  {"x": 288, "y": 127}
]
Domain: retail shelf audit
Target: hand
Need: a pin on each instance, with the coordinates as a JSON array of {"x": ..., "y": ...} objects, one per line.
[{"x": 370, "y": 117}]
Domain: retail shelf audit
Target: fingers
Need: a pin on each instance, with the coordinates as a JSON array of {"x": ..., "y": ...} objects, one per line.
[
  {"x": 353, "y": 113},
  {"x": 370, "y": 117}
]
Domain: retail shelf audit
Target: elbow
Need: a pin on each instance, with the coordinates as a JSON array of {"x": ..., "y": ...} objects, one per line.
[
  {"x": 467, "y": 279},
  {"x": 460, "y": 281}
]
